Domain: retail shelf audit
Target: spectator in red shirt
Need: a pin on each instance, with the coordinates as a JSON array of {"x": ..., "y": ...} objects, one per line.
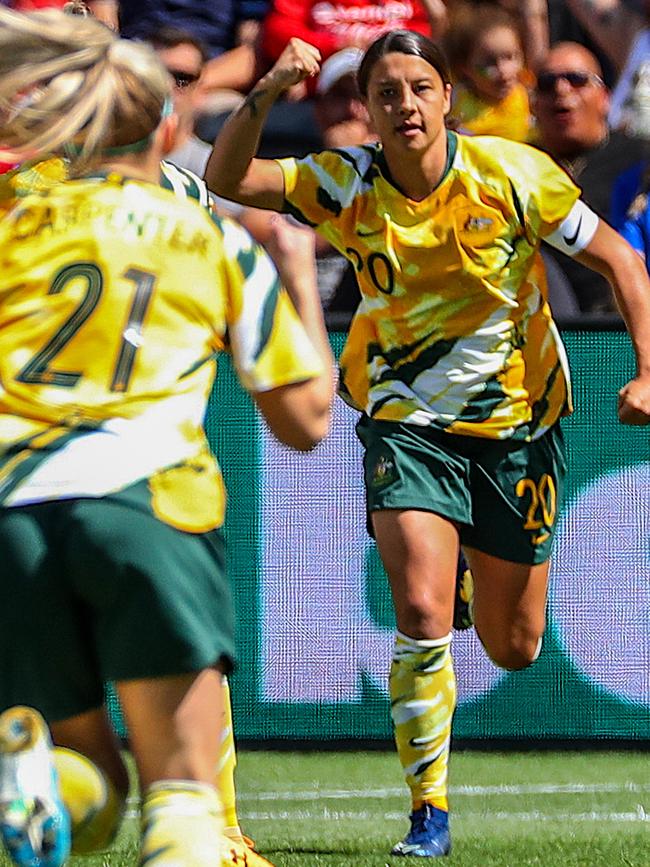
[
  {"x": 30, "y": 5},
  {"x": 331, "y": 25}
]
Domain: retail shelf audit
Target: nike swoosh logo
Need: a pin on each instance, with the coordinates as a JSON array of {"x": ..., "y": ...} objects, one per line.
[
  {"x": 363, "y": 234},
  {"x": 573, "y": 238}
]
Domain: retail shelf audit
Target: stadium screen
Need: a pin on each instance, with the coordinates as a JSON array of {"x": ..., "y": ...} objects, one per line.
[{"x": 314, "y": 614}]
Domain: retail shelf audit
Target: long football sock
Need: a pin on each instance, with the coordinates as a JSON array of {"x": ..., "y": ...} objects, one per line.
[
  {"x": 93, "y": 802},
  {"x": 225, "y": 780},
  {"x": 182, "y": 825},
  {"x": 423, "y": 698}
]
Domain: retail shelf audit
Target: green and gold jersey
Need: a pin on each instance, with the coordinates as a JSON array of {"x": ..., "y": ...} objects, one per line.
[
  {"x": 453, "y": 329},
  {"x": 115, "y": 298}
]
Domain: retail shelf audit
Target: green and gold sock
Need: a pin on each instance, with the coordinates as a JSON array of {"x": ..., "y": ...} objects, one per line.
[
  {"x": 182, "y": 825},
  {"x": 423, "y": 698},
  {"x": 225, "y": 779}
]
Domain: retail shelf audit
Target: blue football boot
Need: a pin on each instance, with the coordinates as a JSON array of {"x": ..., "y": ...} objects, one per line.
[
  {"x": 34, "y": 824},
  {"x": 429, "y": 834}
]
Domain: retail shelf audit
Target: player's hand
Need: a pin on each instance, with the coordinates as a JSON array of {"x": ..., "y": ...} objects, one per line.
[
  {"x": 298, "y": 61},
  {"x": 634, "y": 402}
]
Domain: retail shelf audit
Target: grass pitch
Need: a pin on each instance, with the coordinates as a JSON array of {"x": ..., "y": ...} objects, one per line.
[{"x": 346, "y": 810}]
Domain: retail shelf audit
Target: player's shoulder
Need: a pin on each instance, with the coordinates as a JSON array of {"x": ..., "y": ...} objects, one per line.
[
  {"x": 352, "y": 162},
  {"x": 32, "y": 177},
  {"x": 502, "y": 162},
  {"x": 236, "y": 240},
  {"x": 499, "y": 154}
]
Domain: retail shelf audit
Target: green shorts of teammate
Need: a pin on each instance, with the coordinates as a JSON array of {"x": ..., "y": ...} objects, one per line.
[
  {"x": 504, "y": 495},
  {"x": 96, "y": 590}
]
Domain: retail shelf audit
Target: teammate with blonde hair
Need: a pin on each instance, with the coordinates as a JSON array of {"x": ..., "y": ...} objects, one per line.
[
  {"x": 115, "y": 298},
  {"x": 41, "y": 175}
]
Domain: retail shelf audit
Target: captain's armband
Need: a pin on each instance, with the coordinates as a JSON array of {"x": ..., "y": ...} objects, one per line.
[{"x": 576, "y": 230}]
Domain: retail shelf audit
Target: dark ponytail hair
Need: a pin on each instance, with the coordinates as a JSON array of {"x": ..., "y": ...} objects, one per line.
[{"x": 402, "y": 42}]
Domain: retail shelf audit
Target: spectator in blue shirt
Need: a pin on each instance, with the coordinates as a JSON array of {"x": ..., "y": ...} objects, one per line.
[
  {"x": 216, "y": 24},
  {"x": 636, "y": 228}
]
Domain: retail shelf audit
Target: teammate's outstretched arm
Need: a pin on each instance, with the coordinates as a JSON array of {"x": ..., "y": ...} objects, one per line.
[
  {"x": 609, "y": 254},
  {"x": 232, "y": 170},
  {"x": 299, "y": 414}
]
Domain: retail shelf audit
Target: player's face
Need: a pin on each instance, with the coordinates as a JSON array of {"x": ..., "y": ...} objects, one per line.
[{"x": 407, "y": 103}]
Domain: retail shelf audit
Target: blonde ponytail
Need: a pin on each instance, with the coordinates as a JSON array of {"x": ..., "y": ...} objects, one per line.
[{"x": 68, "y": 82}]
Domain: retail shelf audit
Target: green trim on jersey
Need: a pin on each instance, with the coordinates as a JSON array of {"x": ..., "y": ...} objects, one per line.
[
  {"x": 163, "y": 287},
  {"x": 19, "y": 462},
  {"x": 452, "y": 147},
  {"x": 184, "y": 183}
]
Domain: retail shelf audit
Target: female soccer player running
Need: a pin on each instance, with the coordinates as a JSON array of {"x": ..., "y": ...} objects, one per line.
[
  {"x": 453, "y": 360},
  {"x": 115, "y": 298}
]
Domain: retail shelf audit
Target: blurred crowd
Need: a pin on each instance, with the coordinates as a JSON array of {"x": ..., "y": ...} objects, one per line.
[{"x": 571, "y": 77}]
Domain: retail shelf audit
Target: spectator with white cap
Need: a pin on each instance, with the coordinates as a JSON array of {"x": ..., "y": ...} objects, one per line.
[{"x": 341, "y": 115}]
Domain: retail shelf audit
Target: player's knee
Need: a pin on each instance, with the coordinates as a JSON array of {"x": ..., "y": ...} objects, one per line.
[
  {"x": 515, "y": 654},
  {"x": 422, "y": 612}
]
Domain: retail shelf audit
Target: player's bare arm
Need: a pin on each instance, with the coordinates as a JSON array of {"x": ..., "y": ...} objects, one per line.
[
  {"x": 613, "y": 257},
  {"x": 232, "y": 170},
  {"x": 299, "y": 414}
]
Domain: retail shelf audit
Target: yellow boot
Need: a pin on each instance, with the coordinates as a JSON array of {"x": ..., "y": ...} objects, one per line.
[{"x": 240, "y": 852}]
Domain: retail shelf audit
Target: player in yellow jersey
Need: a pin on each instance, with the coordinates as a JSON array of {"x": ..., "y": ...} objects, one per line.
[
  {"x": 115, "y": 299},
  {"x": 39, "y": 177},
  {"x": 42, "y": 175},
  {"x": 452, "y": 359}
]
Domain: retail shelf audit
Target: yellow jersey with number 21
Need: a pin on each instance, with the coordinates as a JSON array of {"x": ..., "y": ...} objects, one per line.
[{"x": 115, "y": 298}]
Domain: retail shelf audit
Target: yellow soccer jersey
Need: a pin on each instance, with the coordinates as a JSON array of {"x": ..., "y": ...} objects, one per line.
[
  {"x": 115, "y": 298},
  {"x": 453, "y": 329}
]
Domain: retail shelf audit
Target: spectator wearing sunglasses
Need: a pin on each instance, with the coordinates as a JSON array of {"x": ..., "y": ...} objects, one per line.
[
  {"x": 229, "y": 29},
  {"x": 621, "y": 28},
  {"x": 571, "y": 104},
  {"x": 185, "y": 58}
]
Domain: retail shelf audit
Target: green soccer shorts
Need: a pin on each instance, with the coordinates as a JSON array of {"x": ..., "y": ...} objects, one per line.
[
  {"x": 504, "y": 495},
  {"x": 95, "y": 590}
]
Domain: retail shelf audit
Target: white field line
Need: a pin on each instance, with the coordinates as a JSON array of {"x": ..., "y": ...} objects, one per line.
[
  {"x": 639, "y": 815},
  {"x": 455, "y": 791}
]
